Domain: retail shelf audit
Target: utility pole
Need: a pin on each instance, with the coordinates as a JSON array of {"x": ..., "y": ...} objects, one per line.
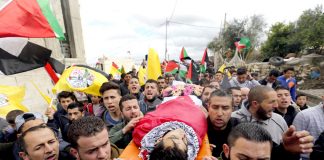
[{"x": 166, "y": 39}]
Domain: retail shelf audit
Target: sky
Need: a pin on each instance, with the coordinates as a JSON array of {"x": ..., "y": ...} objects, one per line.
[{"x": 128, "y": 28}]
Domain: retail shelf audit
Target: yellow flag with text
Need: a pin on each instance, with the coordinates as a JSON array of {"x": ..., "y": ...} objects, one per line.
[
  {"x": 80, "y": 79},
  {"x": 153, "y": 65},
  {"x": 11, "y": 98}
]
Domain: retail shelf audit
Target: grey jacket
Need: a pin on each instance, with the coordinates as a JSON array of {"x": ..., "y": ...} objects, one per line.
[
  {"x": 249, "y": 84},
  {"x": 275, "y": 125}
]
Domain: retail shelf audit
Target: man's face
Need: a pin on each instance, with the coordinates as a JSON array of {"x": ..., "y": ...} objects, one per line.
[
  {"x": 41, "y": 144},
  {"x": 111, "y": 100},
  {"x": 241, "y": 78},
  {"x": 245, "y": 93},
  {"x": 284, "y": 98},
  {"x": 161, "y": 83},
  {"x": 272, "y": 79},
  {"x": 150, "y": 91},
  {"x": 218, "y": 77},
  {"x": 215, "y": 84},
  {"x": 93, "y": 147},
  {"x": 74, "y": 114},
  {"x": 65, "y": 102},
  {"x": 176, "y": 137},
  {"x": 171, "y": 79},
  {"x": 206, "y": 94},
  {"x": 133, "y": 86},
  {"x": 245, "y": 149},
  {"x": 301, "y": 100},
  {"x": 127, "y": 78},
  {"x": 131, "y": 109},
  {"x": 289, "y": 74},
  {"x": 219, "y": 111},
  {"x": 237, "y": 97},
  {"x": 265, "y": 109}
]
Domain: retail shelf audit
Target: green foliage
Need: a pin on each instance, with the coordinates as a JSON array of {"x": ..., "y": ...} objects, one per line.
[
  {"x": 281, "y": 40},
  {"x": 306, "y": 33},
  {"x": 310, "y": 28}
]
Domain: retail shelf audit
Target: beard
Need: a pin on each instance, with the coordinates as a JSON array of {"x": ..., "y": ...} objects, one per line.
[{"x": 262, "y": 114}]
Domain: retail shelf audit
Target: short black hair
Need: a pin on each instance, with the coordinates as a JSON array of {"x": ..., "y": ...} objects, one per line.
[
  {"x": 66, "y": 94},
  {"x": 152, "y": 81},
  {"x": 160, "y": 152},
  {"x": 203, "y": 82},
  {"x": 241, "y": 71},
  {"x": 126, "y": 97},
  {"x": 288, "y": 69},
  {"x": 280, "y": 87},
  {"x": 220, "y": 93},
  {"x": 249, "y": 131},
  {"x": 109, "y": 86},
  {"x": 78, "y": 105},
  {"x": 254, "y": 74},
  {"x": 274, "y": 73},
  {"x": 301, "y": 95},
  {"x": 219, "y": 72},
  {"x": 160, "y": 77},
  {"x": 230, "y": 90},
  {"x": 85, "y": 126}
]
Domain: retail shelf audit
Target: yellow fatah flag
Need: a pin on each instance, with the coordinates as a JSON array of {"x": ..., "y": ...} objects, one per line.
[
  {"x": 80, "y": 79},
  {"x": 142, "y": 75},
  {"x": 153, "y": 65},
  {"x": 222, "y": 69},
  {"x": 10, "y": 99}
]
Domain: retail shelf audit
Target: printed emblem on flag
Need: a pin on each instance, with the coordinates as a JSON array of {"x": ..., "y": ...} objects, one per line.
[
  {"x": 80, "y": 78},
  {"x": 3, "y": 100}
]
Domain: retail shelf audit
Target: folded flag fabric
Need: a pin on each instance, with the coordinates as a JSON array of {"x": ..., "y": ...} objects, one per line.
[
  {"x": 204, "y": 62},
  {"x": 183, "y": 54},
  {"x": 153, "y": 65},
  {"x": 18, "y": 55},
  {"x": 80, "y": 79},
  {"x": 28, "y": 18},
  {"x": 172, "y": 67},
  {"x": 11, "y": 98}
]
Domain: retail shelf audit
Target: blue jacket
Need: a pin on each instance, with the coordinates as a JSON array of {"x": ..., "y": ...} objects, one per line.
[{"x": 291, "y": 84}]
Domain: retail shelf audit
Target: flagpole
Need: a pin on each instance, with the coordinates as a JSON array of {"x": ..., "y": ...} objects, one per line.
[{"x": 166, "y": 39}]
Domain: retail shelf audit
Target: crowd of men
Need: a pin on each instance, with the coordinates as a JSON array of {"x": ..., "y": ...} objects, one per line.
[{"x": 250, "y": 119}]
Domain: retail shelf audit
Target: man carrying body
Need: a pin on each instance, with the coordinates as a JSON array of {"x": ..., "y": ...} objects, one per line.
[
  {"x": 206, "y": 94},
  {"x": 151, "y": 99},
  {"x": 219, "y": 120},
  {"x": 121, "y": 134},
  {"x": 90, "y": 140}
]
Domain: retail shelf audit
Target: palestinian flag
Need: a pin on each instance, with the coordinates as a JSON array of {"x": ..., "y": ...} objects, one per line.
[
  {"x": 28, "y": 18},
  {"x": 183, "y": 54},
  {"x": 243, "y": 43},
  {"x": 172, "y": 67},
  {"x": 204, "y": 62},
  {"x": 192, "y": 75},
  {"x": 122, "y": 69},
  {"x": 114, "y": 70},
  {"x": 18, "y": 55}
]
